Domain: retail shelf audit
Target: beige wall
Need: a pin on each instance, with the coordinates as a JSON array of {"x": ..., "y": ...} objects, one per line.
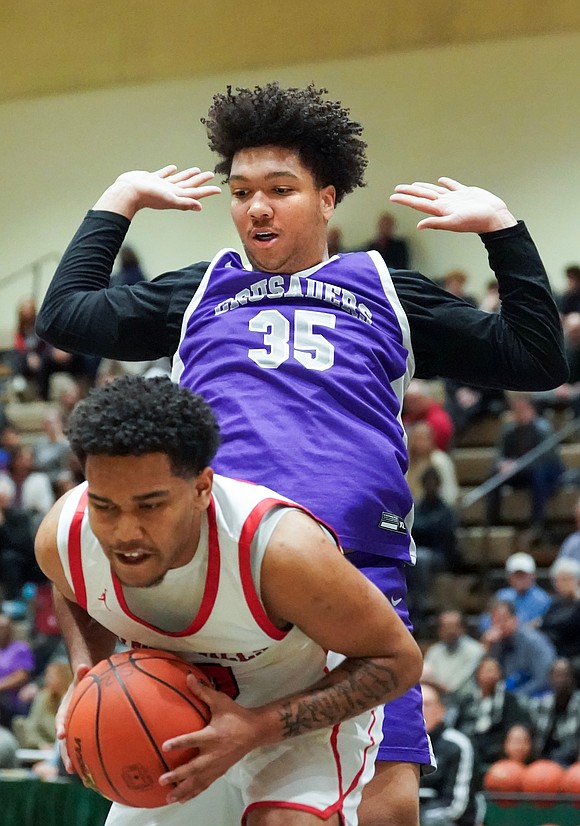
[{"x": 502, "y": 115}]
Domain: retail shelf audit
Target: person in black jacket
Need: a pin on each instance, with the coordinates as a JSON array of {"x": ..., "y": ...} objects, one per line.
[
  {"x": 448, "y": 795},
  {"x": 556, "y": 716},
  {"x": 17, "y": 561},
  {"x": 487, "y": 710},
  {"x": 393, "y": 250},
  {"x": 525, "y": 431},
  {"x": 289, "y": 156},
  {"x": 561, "y": 621}
]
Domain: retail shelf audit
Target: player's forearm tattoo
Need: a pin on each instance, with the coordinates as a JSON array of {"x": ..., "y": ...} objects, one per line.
[{"x": 361, "y": 684}]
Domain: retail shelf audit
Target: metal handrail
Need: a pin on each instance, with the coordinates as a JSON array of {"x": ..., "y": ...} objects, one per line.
[
  {"x": 34, "y": 268},
  {"x": 500, "y": 478}
]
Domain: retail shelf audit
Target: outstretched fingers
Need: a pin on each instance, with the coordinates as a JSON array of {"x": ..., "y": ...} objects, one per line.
[
  {"x": 165, "y": 171},
  {"x": 187, "y": 174},
  {"x": 451, "y": 183},
  {"x": 424, "y": 203}
]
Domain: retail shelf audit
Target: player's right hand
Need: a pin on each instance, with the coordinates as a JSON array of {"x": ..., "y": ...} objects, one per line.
[{"x": 165, "y": 188}]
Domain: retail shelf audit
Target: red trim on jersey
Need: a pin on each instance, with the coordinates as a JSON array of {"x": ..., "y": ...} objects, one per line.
[
  {"x": 246, "y": 536},
  {"x": 209, "y": 592},
  {"x": 337, "y": 806},
  {"x": 298, "y": 807},
  {"x": 74, "y": 551},
  {"x": 213, "y": 571},
  {"x": 334, "y": 746},
  {"x": 365, "y": 754}
]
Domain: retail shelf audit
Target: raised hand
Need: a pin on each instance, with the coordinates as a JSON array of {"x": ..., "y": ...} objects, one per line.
[
  {"x": 165, "y": 188},
  {"x": 453, "y": 206}
]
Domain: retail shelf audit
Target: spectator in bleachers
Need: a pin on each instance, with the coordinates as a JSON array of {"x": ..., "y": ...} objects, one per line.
[
  {"x": 37, "y": 729},
  {"x": 29, "y": 349},
  {"x": 525, "y": 654},
  {"x": 423, "y": 453},
  {"x": 420, "y": 406},
  {"x": 44, "y": 634},
  {"x": 556, "y": 717},
  {"x": 8, "y": 748},
  {"x": 111, "y": 369},
  {"x": 36, "y": 360},
  {"x": 393, "y": 250},
  {"x": 33, "y": 491},
  {"x": 570, "y": 548},
  {"x": 569, "y": 300},
  {"x": 567, "y": 395},
  {"x": 487, "y": 710},
  {"x": 17, "y": 561},
  {"x": 561, "y": 622},
  {"x": 334, "y": 241},
  {"x": 435, "y": 523},
  {"x": 4, "y": 422},
  {"x": 129, "y": 270},
  {"x": 490, "y": 302},
  {"x": 467, "y": 404},
  {"x": 519, "y": 744},
  {"x": 526, "y": 430},
  {"x": 531, "y": 601},
  {"x": 51, "y": 452},
  {"x": 434, "y": 534},
  {"x": 68, "y": 479},
  {"x": 66, "y": 398},
  {"x": 10, "y": 439},
  {"x": 16, "y": 666},
  {"x": 455, "y": 657},
  {"x": 448, "y": 795},
  {"x": 455, "y": 282}
]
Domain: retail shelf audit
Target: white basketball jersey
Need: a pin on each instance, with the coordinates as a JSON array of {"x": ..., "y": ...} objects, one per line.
[{"x": 230, "y": 634}]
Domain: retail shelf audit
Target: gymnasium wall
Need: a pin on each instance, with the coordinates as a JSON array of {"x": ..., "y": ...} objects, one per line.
[{"x": 504, "y": 115}]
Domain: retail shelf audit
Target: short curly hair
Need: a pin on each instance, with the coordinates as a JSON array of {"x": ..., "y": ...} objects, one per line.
[
  {"x": 132, "y": 416},
  {"x": 322, "y": 133}
]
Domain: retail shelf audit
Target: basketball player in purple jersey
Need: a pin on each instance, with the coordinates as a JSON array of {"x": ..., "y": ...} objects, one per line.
[{"x": 305, "y": 358}]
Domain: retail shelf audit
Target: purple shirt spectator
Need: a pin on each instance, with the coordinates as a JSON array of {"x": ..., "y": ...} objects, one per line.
[{"x": 16, "y": 658}]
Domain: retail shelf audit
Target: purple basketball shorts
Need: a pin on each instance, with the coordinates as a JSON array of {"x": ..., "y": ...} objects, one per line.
[{"x": 405, "y": 739}]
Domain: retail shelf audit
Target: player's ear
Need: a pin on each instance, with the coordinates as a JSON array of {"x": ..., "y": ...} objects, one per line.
[
  {"x": 203, "y": 487},
  {"x": 327, "y": 201}
]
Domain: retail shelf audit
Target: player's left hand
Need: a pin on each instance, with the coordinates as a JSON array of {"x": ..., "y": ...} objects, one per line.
[
  {"x": 60, "y": 718},
  {"x": 454, "y": 206},
  {"x": 229, "y": 736}
]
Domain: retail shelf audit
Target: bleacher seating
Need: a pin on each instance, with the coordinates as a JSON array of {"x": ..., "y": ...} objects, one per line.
[{"x": 485, "y": 549}]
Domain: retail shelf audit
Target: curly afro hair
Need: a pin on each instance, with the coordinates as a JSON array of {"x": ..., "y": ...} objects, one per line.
[
  {"x": 132, "y": 416},
  {"x": 321, "y": 131}
]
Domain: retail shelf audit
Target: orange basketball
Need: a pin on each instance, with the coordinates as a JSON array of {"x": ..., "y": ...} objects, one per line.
[
  {"x": 543, "y": 776},
  {"x": 571, "y": 779},
  {"x": 120, "y": 714},
  {"x": 504, "y": 776}
]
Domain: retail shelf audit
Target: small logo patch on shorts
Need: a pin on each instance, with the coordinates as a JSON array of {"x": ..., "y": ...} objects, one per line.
[{"x": 392, "y": 522}]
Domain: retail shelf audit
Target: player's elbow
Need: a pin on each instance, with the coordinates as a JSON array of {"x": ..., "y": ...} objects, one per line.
[
  {"x": 409, "y": 661},
  {"x": 552, "y": 376}
]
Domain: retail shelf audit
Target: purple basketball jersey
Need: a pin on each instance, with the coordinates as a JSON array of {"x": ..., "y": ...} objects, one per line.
[{"x": 306, "y": 375}]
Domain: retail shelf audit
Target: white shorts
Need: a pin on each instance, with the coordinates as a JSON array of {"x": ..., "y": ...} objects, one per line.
[{"x": 323, "y": 772}]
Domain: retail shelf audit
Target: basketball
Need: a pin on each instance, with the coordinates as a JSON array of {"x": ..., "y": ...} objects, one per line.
[
  {"x": 504, "y": 776},
  {"x": 571, "y": 779},
  {"x": 120, "y": 714},
  {"x": 543, "y": 776}
]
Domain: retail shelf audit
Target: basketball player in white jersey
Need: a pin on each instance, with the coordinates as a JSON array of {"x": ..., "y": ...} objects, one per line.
[{"x": 158, "y": 551}]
